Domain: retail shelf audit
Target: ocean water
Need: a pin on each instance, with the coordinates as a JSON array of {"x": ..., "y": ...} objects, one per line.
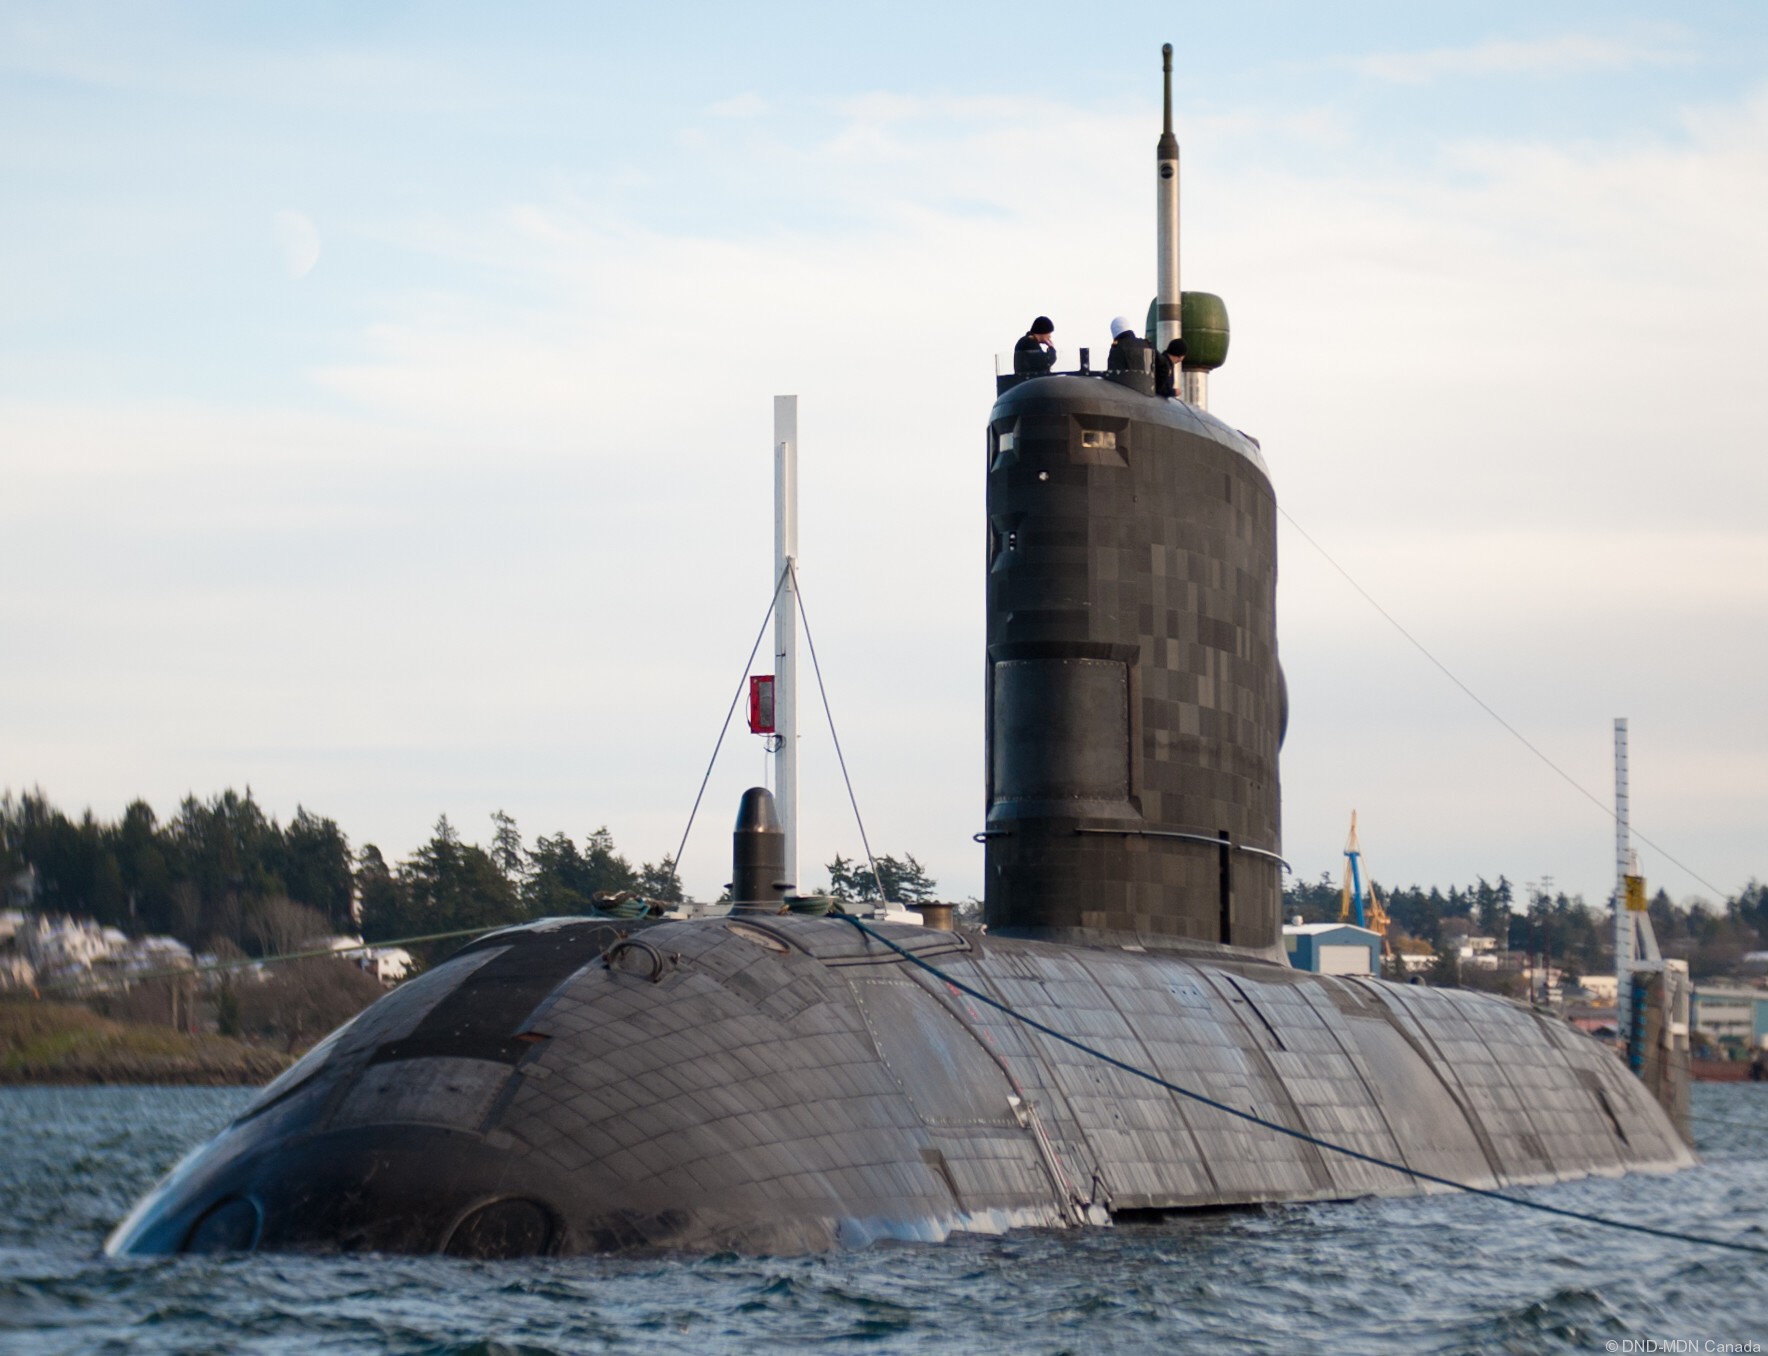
[{"x": 1445, "y": 1274}]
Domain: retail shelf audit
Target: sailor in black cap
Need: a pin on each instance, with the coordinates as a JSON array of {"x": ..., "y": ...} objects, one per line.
[
  {"x": 1166, "y": 368},
  {"x": 1034, "y": 355}
]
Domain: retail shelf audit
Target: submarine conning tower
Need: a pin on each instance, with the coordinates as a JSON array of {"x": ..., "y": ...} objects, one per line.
[{"x": 1135, "y": 702}]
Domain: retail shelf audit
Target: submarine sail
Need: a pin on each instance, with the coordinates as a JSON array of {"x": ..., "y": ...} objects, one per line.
[{"x": 777, "y": 1083}]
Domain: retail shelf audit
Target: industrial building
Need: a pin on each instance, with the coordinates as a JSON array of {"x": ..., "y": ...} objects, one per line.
[{"x": 1333, "y": 948}]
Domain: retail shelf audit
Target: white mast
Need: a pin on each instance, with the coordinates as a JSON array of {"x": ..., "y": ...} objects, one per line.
[{"x": 785, "y": 436}]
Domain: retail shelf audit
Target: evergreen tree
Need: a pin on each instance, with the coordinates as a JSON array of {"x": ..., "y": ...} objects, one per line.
[
  {"x": 1315, "y": 901},
  {"x": 1445, "y": 970},
  {"x": 315, "y": 868},
  {"x": 660, "y": 882},
  {"x": 226, "y": 852},
  {"x": 561, "y": 880},
  {"x": 903, "y": 882},
  {"x": 385, "y": 912},
  {"x": 98, "y": 877},
  {"x": 451, "y": 885},
  {"x": 1491, "y": 904},
  {"x": 48, "y": 840},
  {"x": 555, "y": 885},
  {"x": 506, "y": 847},
  {"x": 607, "y": 869},
  {"x": 146, "y": 872},
  {"x": 12, "y": 860}
]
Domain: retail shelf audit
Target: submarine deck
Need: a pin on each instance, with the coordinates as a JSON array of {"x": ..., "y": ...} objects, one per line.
[{"x": 781, "y": 1084}]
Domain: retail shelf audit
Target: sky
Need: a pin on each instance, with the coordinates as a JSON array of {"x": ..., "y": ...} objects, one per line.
[{"x": 386, "y": 404}]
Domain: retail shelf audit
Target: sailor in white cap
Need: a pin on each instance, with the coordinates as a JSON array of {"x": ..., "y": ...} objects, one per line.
[{"x": 1128, "y": 353}]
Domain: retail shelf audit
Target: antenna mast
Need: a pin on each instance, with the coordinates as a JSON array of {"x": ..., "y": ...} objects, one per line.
[{"x": 1167, "y": 324}]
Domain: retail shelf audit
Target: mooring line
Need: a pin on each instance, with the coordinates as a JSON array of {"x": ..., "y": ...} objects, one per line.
[
  {"x": 1483, "y": 705},
  {"x": 84, "y": 984},
  {"x": 724, "y": 729},
  {"x": 1301, "y": 1135},
  {"x": 840, "y": 757}
]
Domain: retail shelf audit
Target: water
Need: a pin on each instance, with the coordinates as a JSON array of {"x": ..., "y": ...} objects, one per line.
[{"x": 1438, "y": 1275}]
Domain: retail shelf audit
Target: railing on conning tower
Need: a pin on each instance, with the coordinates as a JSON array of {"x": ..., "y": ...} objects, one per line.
[{"x": 1140, "y": 380}]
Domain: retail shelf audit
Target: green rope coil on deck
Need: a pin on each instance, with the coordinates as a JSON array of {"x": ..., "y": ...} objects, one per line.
[{"x": 625, "y": 904}]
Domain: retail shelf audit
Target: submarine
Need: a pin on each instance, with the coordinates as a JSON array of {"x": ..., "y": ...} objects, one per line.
[{"x": 769, "y": 1081}]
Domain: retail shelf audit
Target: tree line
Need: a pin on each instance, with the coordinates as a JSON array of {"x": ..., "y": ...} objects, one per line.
[
  {"x": 222, "y": 871},
  {"x": 450, "y": 885},
  {"x": 220, "y": 874},
  {"x": 1713, "y": 939},
  {"x": 207, "y": 872}
]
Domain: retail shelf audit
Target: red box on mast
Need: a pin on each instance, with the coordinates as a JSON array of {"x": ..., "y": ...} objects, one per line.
[{"x": 761, "y": 703}]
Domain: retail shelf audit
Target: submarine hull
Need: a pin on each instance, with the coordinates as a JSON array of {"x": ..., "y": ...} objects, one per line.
[{"x": 784, "y": 1085}]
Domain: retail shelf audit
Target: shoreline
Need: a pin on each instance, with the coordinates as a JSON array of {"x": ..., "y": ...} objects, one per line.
[{"x": 66, "y": 1045}]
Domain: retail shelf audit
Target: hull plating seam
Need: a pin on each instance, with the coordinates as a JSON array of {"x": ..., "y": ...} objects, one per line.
[{"x": 1314, "y": 1140}]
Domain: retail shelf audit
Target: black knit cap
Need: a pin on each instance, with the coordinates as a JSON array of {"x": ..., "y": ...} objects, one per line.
[
  {"x": 1176, "y": 349},
  {"x": 1041, "y": 325}
]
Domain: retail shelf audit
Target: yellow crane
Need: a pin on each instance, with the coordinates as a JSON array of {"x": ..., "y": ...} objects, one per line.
[{"x": 1359, "y": 903}]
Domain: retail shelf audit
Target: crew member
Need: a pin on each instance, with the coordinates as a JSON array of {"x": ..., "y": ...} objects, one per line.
[
  {"x": 1166, "y": 368},
  {"x": 1128, "y": 353},
  {"x": 1034, "y": 355}
]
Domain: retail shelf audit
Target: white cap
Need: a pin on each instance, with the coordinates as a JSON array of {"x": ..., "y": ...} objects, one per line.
[{"x": 1119, "y": 325}]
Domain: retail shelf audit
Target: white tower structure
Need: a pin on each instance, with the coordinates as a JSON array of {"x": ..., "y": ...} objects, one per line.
[
  {"x": 1623, "y": 863},
  {"x": 1636, "y": 945}
]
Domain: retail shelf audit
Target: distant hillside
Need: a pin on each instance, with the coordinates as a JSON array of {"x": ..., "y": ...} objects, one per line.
[{"x": 63, "y": 1043}]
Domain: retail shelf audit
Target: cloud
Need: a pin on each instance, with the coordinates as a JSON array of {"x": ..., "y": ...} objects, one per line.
[
  {"x": 149, "y": 51},
  {"x": 1566, "y": 54},
  {"x": 961, "y": 113},
  {"x": 745, "y": 105},
  {"x": 297, "y": 240},
  {"x": 517, "y": 558}
]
